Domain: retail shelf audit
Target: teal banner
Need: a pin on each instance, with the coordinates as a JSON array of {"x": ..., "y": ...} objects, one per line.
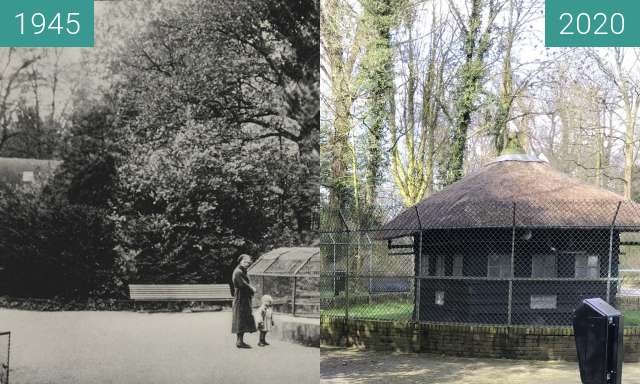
[
  {"x": 46, "y": 23},
  {"x": 592, "y": 23}
]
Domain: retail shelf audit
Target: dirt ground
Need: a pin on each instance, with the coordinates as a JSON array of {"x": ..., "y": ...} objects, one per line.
[
  {"x": 350, "y": 366},
  {"x": 139, "y": 348}
]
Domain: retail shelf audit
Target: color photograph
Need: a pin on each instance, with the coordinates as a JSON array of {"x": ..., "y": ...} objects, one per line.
[{"x": 480, "y": 193}]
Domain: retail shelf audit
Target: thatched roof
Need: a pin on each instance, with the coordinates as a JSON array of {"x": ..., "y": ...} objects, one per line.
[
  {"x": 12, "y": 169},
  {"x": 542, "y": 197}
]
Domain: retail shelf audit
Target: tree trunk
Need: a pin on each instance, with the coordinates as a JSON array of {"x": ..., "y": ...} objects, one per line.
[{"x": 476, "y": 45}]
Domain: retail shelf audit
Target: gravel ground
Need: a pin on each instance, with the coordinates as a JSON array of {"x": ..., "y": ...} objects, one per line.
[
  {"x": 128, "y": 348},
  {"x": 350, "y": 366}
]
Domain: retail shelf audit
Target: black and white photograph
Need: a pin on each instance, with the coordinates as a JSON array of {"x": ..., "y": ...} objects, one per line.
[
  {"x": 480, "y": 192},
  {"x": 159, "y": 198}
]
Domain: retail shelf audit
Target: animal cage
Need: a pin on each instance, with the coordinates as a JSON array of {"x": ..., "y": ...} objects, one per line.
[{"x": 291, "y": 276}]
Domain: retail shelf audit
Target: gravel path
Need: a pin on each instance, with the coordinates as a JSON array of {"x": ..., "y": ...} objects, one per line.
[
  {"x": 159, "y": 348},
  {"x": 349, "y": 366}
]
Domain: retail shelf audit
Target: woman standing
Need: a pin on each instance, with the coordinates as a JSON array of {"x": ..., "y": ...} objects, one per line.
[{"x": 243, "y": 320}]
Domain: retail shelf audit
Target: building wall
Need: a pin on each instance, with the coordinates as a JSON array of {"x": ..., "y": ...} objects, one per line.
[
  {"x": 12, "y": 170},
  {"x": 486, "y": 301}
]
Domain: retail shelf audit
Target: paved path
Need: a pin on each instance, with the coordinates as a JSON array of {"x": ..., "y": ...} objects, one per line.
[
  {"x": 139, "y": 348},
  {"x": 349, "y": 366}
]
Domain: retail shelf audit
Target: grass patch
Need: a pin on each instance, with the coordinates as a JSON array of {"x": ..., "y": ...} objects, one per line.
[
  {"x": 384, "y": 311},
  {"x": 403, "y": 311},
  {"x": 631, "y": 318}
]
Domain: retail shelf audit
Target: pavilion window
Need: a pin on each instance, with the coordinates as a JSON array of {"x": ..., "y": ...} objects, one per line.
[
  {"x": 587, "y": 267},
  {"x": 543, "y": 302},
  {"x": 28, "y": 177},
  {"x": 544, "y": 266},
  {"x": 499, "y": 265},
  {"x": 457, "y": 265},
  {"x": 440, "y": 265},
  {"x": 424, "y": 266}
]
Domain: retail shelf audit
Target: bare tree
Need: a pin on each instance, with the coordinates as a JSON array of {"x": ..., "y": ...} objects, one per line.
[
  {"x": 417, "y": 138},
  {"x": 16, "y": 71},
  {"x": 341, "y": 46},
  {"x": 476, "y": 33},
  {"x": 621, "y": 71}
]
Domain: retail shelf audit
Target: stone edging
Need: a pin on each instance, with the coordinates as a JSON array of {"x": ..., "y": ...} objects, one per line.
[{"x": 513, "y": 342}]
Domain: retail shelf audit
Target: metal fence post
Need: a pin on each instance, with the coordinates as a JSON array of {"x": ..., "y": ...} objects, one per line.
[
  {"x": 511, "y": 274},
  {"x": 370, "y": 265},
  {"x": 334, "y": 263},
  {"x": 295, "y": 281},
  {"x": 419, "y": 270},
  {"x": 418, "y": 292},
  {"x": 613, "y": 223},
  {"x": 346, "y": 289}
]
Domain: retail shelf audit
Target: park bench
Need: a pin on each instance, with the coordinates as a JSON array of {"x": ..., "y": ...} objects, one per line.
[{"x": 180, "y": 292}]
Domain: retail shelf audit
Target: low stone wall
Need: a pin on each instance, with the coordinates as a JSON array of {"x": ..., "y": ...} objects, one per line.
[
  {"x": 626, "y": 303},
  {"x": 514, "y": 342},
  {"x": 301, "y": 330}
]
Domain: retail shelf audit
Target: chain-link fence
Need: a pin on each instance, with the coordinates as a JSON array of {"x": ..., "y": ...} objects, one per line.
[{"x": 485, "y": 263}]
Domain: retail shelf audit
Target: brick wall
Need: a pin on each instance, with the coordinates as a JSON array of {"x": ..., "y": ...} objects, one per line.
[
  {"x": 625, "y": 303},
  {"x": 515, "y": 342}
]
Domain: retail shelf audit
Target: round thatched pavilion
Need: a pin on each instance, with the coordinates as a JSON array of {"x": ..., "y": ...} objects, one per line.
[{"x": 515, "y": 242}]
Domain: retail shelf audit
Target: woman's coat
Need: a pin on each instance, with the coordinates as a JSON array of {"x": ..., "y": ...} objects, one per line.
[{"x": 242, "y": 320}]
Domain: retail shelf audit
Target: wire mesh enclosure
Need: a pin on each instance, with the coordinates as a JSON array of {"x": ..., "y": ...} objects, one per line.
[
  {"x": 483, "y": 262},
  {"x": 291, "y": 276}
]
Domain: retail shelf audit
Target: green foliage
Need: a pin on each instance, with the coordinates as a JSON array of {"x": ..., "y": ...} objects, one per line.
[
  {"x": 377, "y": 77},
  {"x": 187, "y": 209},
  {"x": 87, "y": 175},
  {"x": 205, "y": 147},
  {"x": 477, "y": 41},
  {"x": 31, "y": 137},
  {"x": 513, "y": 145},
  {"x": 220, "y": 137},
  {"x": 57, "y": 241},
  {"x": 54, "y": 249}
]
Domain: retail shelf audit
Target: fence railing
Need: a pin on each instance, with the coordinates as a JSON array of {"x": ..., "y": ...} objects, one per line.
[{"x": 535, "y": 270}]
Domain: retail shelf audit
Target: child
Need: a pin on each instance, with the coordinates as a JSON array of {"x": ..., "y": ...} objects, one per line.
[{"x": 264, "y": 315}]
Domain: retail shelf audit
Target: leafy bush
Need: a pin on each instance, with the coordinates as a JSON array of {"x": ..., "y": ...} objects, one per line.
[{"x": 51, "y": 248}]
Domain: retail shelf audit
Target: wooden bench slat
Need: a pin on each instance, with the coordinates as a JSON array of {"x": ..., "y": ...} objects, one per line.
[
  {"x": 180, "y": 290},
  {"x": 182, "y": 296},
  {"x": 195, "y": 292},
  {"x": 182, "y": 293},
  {"x": 179, "y": 285}
]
